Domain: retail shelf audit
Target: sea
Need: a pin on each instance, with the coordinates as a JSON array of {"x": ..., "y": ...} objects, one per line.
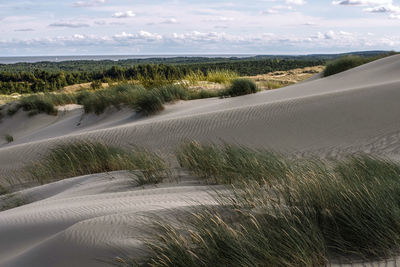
[{"x": 33, "y": 59}]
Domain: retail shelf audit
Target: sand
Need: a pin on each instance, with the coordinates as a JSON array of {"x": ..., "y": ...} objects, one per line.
[{"x": 77, "y": 221}]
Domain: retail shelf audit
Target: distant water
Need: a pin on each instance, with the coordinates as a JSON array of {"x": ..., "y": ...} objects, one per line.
[{"x": 12, "y": 60}]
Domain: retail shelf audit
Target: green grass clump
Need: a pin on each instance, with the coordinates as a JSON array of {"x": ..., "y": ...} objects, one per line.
[
  {"x": 3, "y": 190},
  {"x": 9, "y": 138},
  {"x": 81, "y": 158},
  {"x": 241, "y": 87},
  {"x": 44, "y": 103},
  {"x": 303, "y": 212},
  {"x": 349, "y": 62},
  {"x": 152, "y": 101},
  {"x": 11, "y": 200},
  {"x": 227, "y": 164},
  {"x": 98, "y": 101},
  {"x": 210, "y": 238},
  {"x": 356, "y": 205}
]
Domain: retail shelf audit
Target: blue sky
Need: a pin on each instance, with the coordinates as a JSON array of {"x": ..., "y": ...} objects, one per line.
[{"x": 93, "y": 27}]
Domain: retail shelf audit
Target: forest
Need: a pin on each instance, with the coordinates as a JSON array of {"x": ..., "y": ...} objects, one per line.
[{"x": 26, "y": 78}]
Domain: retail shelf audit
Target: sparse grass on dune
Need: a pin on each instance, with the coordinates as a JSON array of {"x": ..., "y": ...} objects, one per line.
[
  {"x": 227, "y": 164},
  {"x": 147, "y": 97},
  {"x": 274, "y": 84},
  {"x": 152, "y": 101},
  {"x": 81, "y": 158},
  {"x": 44, "y": 103},
  {"x": 284, "y": 212},
  {"x": 98, "y": 101},
  {"x": 11, "y": 200},
  {"x": 200, "y": 94}
]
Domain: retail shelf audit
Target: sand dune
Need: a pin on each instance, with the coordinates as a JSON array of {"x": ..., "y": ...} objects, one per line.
[
  {"x": 76, "y": 221},
  {"x": 79, "y": 221},
  {"x": 354, "y": 110}
]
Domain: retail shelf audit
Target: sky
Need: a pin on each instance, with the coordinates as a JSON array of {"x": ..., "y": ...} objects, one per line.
[{"x": 152, "y": 27}]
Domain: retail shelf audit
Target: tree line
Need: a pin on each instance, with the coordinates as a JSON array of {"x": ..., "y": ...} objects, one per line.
[{"x": 32, "y": 78}]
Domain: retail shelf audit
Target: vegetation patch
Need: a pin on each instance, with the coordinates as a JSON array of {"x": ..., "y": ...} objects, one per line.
[
  {"x": 284, "y": 212},
  {"x": 349, "y": 62},
  {"x": 223, "y": 76},
  {"x": 9, "y": 138},
  {"x": 81, "y": 158},
  {"x": 241, "y": 86},
  {"x": 98, "y": 101},
  {"x": 43, "y": 103},
  {"x": 227, "y": 164},
  {"x": 153, "y": 100},
  {"x": 11, "y": 200}
]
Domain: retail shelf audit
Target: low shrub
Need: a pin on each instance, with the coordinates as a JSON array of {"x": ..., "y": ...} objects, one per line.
[
  {"x": 241, "y": 87},
  {"x": 96, "y": 85}
]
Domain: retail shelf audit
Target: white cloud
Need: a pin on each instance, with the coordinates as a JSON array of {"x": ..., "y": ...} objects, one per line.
[
  {"x": 270, "y": 11},
  {"x": 141, "y": 35},
  {"x": 362, "y": 2},
  {"x": 374, "y": 6},
  {"x": 88, "y": 3},
  {"x": 24, "y": 30},
  {"x": 383, "y": 9},
  {"x": 126, "y": 14},
  {"x": 206, "y": 42},
  {"x": 170, "y": 21},
  {"x": 69, "y": 25},
  {"x": 295, "y": 2}
]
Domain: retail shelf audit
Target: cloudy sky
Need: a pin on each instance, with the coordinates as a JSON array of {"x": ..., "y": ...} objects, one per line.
[{"x": 121, "y": 27}]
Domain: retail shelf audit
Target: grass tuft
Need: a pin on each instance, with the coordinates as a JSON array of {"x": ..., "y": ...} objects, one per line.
[
  {"x": 9, "y": 138},
  {"x": 44, "y": 103},
  {"x": 152, "y": 101},
  {"x": 82, "y": 158},
  {"x": 227, "y": 164},
  {"x": 285, "y": 212},
  {"x": 241, "y": 87}
]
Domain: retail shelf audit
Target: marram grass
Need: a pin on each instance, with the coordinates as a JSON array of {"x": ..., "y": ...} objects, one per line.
[
  {"x": 283, "y": 212},
  {"x": 82, "y": 158}
]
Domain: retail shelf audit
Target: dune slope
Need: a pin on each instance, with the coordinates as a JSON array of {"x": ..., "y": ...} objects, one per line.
[
  {"x": 354, "y": 110},
  {"x": 84, "y": 220}
]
